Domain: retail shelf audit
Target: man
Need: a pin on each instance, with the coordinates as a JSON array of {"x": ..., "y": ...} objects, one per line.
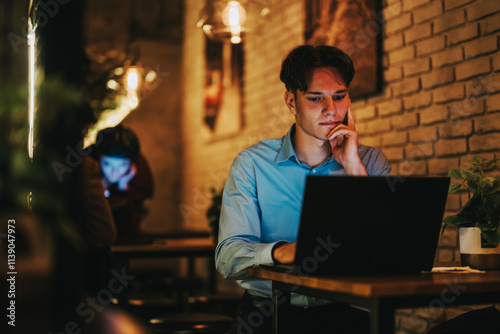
[
  {"x": 126, "y": 178},
  {"x": 263, "y": 193}
]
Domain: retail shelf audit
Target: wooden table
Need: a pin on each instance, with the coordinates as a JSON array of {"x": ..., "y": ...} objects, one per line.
[
  {"x": 381, "y": 295},
  {"x": 169, "y": 248}
]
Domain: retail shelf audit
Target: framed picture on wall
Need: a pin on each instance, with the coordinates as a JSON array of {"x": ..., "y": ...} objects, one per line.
[
  {"x": 223, "y": 113},
  {"x": 352, "y": 26}
]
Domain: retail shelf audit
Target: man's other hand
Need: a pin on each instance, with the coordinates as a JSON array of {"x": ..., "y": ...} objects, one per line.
[{"x": 285, "y": 253}]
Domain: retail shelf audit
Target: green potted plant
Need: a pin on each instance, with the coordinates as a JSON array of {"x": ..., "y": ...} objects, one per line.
[{"x": 478, "y": 219}]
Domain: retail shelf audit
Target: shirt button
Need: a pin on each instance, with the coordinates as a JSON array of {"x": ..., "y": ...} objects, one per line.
[{"x": 314, "y": 171}]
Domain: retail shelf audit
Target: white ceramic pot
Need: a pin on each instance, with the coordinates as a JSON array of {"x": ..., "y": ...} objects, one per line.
[{"x": 473, "y": 254}]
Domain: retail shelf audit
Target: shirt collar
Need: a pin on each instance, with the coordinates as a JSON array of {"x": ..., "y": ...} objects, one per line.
[{"x": 287, "y": 152}]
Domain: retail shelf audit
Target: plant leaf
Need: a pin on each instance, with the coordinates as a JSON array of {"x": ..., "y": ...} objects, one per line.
[
  {"x": 491, "y": 237},
  {"x": 486, "y": 184},
  {"x": 455, "y": 173},
  {"x": 458, "y": 220},
  {"x": 454, "y": 187},
  {"x": 495, "y": 187},
  {"x": 468, "y": 174},
  {"x": 491, "y": 162}
]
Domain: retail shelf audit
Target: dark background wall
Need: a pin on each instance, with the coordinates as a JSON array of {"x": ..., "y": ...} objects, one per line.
[{"x": 155, "y": 27}]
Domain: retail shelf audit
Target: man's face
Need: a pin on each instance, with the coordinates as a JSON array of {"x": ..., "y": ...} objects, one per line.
[
  {"x": 322, "y": 106},
  {"x": 114, "y": 168}
]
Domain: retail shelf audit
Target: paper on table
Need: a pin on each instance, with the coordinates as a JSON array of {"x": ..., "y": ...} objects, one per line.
[{"x": 456, "y": 270}]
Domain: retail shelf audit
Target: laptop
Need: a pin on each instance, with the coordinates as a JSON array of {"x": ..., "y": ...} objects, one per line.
[{"x": 369, "y": 225}]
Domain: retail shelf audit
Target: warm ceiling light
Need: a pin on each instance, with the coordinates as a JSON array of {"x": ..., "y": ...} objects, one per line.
[
  {"x": 234, "y": 16},
  {"x": 231, "y": 20}
]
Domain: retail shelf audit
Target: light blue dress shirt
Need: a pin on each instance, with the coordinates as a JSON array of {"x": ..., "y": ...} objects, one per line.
[{"x": 261, "y": 206}]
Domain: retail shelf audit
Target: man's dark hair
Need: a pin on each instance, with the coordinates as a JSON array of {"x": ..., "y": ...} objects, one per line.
[
  {"x": 296, "y": 68},
  {"x": 120, "y": 142}
]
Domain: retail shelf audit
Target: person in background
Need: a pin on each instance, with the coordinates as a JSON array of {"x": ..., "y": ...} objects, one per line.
[
  {"x": 126, "y": 178},
  {"x": 263, "y": 193}
]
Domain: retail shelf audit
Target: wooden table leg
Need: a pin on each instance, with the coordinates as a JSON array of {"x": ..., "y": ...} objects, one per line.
[{"x": 381, "y": 317}]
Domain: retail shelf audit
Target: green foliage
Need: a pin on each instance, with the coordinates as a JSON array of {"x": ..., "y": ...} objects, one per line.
[
  {"x": 21, "y": 177},
  {"x": 482, "y": 210}
]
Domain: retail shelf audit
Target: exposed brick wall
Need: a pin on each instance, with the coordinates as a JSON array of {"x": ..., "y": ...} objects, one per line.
[
  {"x": 440, "y": 64},
  {"x": 439, "y": 105}
]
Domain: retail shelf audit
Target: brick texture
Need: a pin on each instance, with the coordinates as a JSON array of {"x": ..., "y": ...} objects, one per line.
[
  {"x": 434, "y": 114},
  {"x": 430, "y": 45},
  {"x": 449, "y": 20},
  {"x": 398, "y": 24},
  {"x": 418, "y": 66},
  {"x": 481, "y": 46},
  {"x": 365, "y": 113},
  {"x": 405, "y": 121},
  {"x": 406, "y": 86},
  {"x": 418, "y": 100},
  {"x": 423, "y": 134},
  {"x": 450, "y": 4},
  {"x": 490, "y": 24},
  {"x": 487, "y": 142},
  {"x": 455, "y": 129},
  {"x": 473, "y": 67},
  {"x": 461, "y": 34},
  {"x": 448, "y": 93},
  {"x": 409, "y": 5},
  {"x": 487, "y": 123},
  {"x": 448, "y": 56},
  {"x": 390, "y": 107},
  {"x": 418, "y": 32},
  {"x": 482, "y": 8},
  {"x": 438, "y": 77},
  {"x": 451, "y": 147},
  {"x": 430, "y": 11}
]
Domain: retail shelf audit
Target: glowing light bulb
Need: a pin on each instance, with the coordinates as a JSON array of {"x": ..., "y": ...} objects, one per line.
[
  {"x": 132, "y": 79},
  {"x": 113, "y": 84},
  {"x": 234, "y": 16},
  {"x": 150, "y": 76},
  {"x": 235, "y": 39},
  {"x": 118, "y": 71}
]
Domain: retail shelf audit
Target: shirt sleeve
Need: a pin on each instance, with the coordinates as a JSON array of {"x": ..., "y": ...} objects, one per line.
[
  {"x": 376, "y": 163},
  {"x": 240, "y": 225}
]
